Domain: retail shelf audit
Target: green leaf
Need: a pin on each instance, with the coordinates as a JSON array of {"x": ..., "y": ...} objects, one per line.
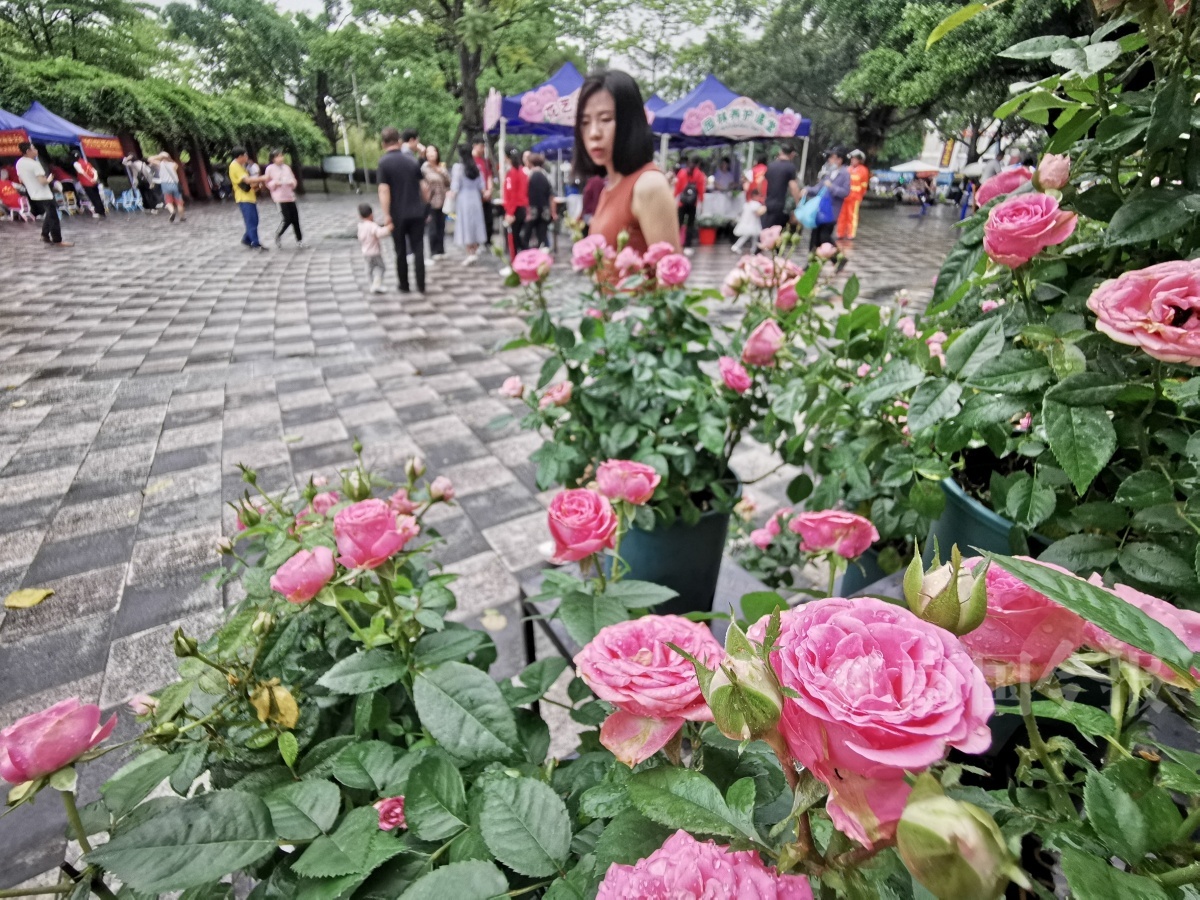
[
  {"x": 1090, "y": 721},
  {"x": 1066, "y": 359},
  {"x": 1082, "y": 438},
  {"x": 1144, "y": 489},
  {"x": 638, "y": 594},
  {"x": 1082, "y": 552},
  {"x": 451, "y": 645},
  {"x": 584, "y": 616},
  {"x": 1150, "y": 215},
  {"x": 991, "y": 409},
  {"x": 365, "y": 765},
  {"x": 1156, "y": 565},
  {"x": 927, "y": 498},
  {"x": 932, "y": 402},
  {"x": 683, "y": 798},
  {"x": 1170, "y": 114},
  {"x": 761, "y": 603},
  {"x": 357, "y": 847},
  {"x": 526, "y": 825},
  {"x": 954, "y": 20},
  {"x": 189, "y": 843},
  {"x": 897, "y": 377},
  {"x": 1122, "y": 620},
  {"x": 436, "y": 803},
  {"x": 1013, "y": 372},
  {"x": 364, "y": 673},
  {"x": 799, "y": 488},
  {"x": 1091, "y": 878},
  {"x": 134, "y": 782},
  {"x": 471, "y": 880},
  {"x": 465, "y": 712},
  {"x": 304, "y": 810},
  {"x": 979, "y": 344},
  {"x": 960, "y": 264},
  {"x": 1038, "y": 47},
  {"x": 1086, "y": 389},
  {"x": 289, "y": 748},
  {"x": 629, "y": 837},
  {"x": 536, "y": 679},
  {"x": 1116, "y": 817},
  {"x": 1030, "y": 503}
]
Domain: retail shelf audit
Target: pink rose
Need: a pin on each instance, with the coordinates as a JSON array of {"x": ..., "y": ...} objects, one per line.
[
  {"x": 142, "y": 704},
  {"x": 302, "y": 577},
  {"x": 1026, "y": 422},
  {"x": 988, "y": 306},
  {"x": 1054, "y": 171},
  {"x": 582, "y": 522},
  {"x": 513, "y": 387},
  {"x": 880, "y": 694},
  {"x": 733, "y": 283},
  {"x": 773, "y": 524},
  {"x": 769, "y": 237},
  {"x": 1156, "y": 308},
  {"x": 255, "y": 513},
  {"x": 391, "y": 813},
  {"x": 623, "y": 479},
  {"x": 556, "y": 395},
  {"x": 657, "y": 251},
  {"x": 734, "y": 374},
  {"x": 587, "y": 254},
  {"x": 785, "y": 299},
  {"x": 1183, "y": 623},
  {"x": 863, "y": 371},
  {"x": 827, "y": 251},
  {"x": 653, "y": 688},
  {"x": 761, "y": 538},
  {"x": 832, "y": 530},
  {"x": 441, "y": 489},
  {"x": 1005, "y": 182},
  {"x": 1025, "y": 635},
  {"x": 673, "y": 270},
  {"x": 1021, "y": 227},
  {"x": 532, "y": 265},
  {"x": 684, "y": 868},
  {"x": 906, "y": 326},
  {"x": 324, "y": 502},
  {"x": 42, "y": 743},
  {"x": 369, "y": 532},
  {"x": 592, "y": 313},
  {"x": 400, "y": 503},
  {"x": 764, "y": 342},
  {"x": 629, "y": 262}
]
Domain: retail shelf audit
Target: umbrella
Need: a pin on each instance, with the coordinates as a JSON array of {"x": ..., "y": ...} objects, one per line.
[{"x": 918, "y": 165}]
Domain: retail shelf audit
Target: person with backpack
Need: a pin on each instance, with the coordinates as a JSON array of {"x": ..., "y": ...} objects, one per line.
[{"x": 689, "y": 193}]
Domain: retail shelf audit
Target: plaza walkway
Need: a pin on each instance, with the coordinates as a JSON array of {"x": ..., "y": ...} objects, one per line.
[{"x": 136, "y": 370}]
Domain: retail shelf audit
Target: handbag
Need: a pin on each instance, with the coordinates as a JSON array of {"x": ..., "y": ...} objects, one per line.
[
  {"x": 808, "y": 214},
  {"x": 825, "y": 214}
]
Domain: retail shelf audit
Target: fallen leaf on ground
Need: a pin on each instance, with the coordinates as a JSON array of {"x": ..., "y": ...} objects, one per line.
[{"x": 26, "y": 598}]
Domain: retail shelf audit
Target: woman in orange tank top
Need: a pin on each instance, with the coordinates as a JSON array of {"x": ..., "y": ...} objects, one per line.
[{"x": 613, "y": 139}]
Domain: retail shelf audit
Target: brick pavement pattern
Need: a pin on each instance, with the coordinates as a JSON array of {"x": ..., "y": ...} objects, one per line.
[{"x": 136, "y": 370}]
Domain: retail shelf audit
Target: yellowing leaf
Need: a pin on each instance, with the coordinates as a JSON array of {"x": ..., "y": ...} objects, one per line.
[
  {"x": 287, "y": 712},
  {"x": 26, "y": 598},
  {"x": 261, "y": 701}
]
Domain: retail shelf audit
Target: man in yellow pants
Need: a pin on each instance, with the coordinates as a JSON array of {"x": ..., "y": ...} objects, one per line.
[{"x": 860, "y": 176}]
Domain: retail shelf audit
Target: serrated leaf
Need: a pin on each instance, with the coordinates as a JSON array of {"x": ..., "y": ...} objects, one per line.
[
  {"x": 1145, "y": 488},
  {"x": 1082, "y": 439},
  {"x": 1091, "y": 878},
  {"x": 1090, "y": 721},
  {"x": 629, "y": 837},
  {"x": 465, "y": 712},
  {"x": 526, "y": 825},
  {"x": 932, "y": 402},
  {"x": 27, "y": 598},
  {"x": 301, "y": 811},
  {"x": 364, "y": 673},
  {"x": 1154, "y": 564},
  {"x": 1012, "y": 372},
  {"x": 683, "y": 798},
  {"x": 979, "y": 344},
  {"x": 134, "y": 781},
  {"x": 536, "y": 679},
  {"x": 897, "y": 377},
  {"x": 471, "y": 880},
  {"x": 189, "y": 843},
  {"x": 1082, "y": 552},
  {"x": 1116, "y": 817},
  {"x": 1030, "y": 503},
  {"x": 365, "y": 765},
  {"x": 357, "y": 847},
  {"x": 583, "y": 616},
  {"x": 289, "y": 748},
  {"x": 1122, "y": 620},
  {"x": 451, "y": 645},
  {"x": 638, "y": 594},
  {"x": 436, "y": 803}
]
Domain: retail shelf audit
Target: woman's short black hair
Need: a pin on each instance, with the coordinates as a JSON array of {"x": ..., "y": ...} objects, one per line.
[{"x": 633, "y": 144}]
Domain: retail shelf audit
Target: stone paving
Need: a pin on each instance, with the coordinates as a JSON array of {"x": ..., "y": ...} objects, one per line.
[{"x": 136, "y": 370}]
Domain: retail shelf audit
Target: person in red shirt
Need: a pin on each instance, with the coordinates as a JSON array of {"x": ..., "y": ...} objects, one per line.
[
  {"x": 89, "y": 180},
  {"x": 479, "y": 154},
  {"x": 10, "y": 197},
  {"x": 516, "y": 201},
  {"x": 689, "y": 193}
]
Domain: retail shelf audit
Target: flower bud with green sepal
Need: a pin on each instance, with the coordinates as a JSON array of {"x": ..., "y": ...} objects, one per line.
[
  {"x": 948, "y": 595},
  {"x": 955, "y": 849}
]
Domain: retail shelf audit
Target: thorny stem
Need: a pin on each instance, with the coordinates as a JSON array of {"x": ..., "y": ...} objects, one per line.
[
  {"x": 358, "y": 633},
  {"x": 1058, "y": 793},
  {"x": 1117, "y": 706}
]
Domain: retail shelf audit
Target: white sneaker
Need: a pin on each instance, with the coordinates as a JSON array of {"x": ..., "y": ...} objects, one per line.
[
  {"x": 95, "y": 215},
  {"x": 471, "y": 257},
  {"x": 689, "y": 251},
  {"x": 377, "y": 289},
  {"x": 432, "y": 260}
]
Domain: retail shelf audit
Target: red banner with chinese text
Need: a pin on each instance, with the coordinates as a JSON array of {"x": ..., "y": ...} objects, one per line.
[
  {"x": 9, "y": 140},
  {"x": 101, "y": 148}
]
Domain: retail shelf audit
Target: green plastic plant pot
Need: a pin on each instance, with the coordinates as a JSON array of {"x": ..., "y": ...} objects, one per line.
[
  {"x": 685, "y": 558},
  {"x": 860, "y": 573},
  {"x": 968, "y": 523}
]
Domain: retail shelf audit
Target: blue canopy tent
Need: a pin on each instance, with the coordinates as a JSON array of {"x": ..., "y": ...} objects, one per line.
[
  {"x": 12, "y": 127},
  {"x": 92, "y": 143},
  {"x": 713, "y": 114}
]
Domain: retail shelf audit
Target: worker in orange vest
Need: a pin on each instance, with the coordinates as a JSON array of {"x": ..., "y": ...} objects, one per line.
[{"x": 860, "y": 176}]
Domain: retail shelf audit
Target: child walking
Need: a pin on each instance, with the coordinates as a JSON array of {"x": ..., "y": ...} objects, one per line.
[{"x": 369, "y": 233}]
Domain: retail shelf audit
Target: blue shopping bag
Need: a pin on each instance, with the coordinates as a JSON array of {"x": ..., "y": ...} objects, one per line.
[
  {"x": 808, "y": 214},
  {"x": 825, "y": 214}
]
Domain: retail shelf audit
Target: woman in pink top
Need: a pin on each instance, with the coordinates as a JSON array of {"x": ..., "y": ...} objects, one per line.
[{"x": 282, "y": 185}]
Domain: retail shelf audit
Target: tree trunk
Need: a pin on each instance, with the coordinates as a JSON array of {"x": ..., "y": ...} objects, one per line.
[
  {"x": 200, "y": 169},
  {"x": 470, "y": 63},
  {"x": 871, "y": 128}
]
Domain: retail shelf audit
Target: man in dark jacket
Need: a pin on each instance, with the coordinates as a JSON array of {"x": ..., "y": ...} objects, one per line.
[{"x": 403, "y": 196}]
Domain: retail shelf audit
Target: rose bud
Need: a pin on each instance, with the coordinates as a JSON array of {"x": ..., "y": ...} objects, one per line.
[
  {"x": 744, "y": 698},
  {"x": 357, "y": 485},
  {"x": 184, "y": 645},
  {"x": 949, "y": 596},
  {"x": 225, "y": 546},
  {"x": 142, "y": 705},
  {"x": 414, "y": 468},
  {"x": 1053, "y": 172},
  {"x": 263, "y": 623},
  {"x": 954, "y": 849}
]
